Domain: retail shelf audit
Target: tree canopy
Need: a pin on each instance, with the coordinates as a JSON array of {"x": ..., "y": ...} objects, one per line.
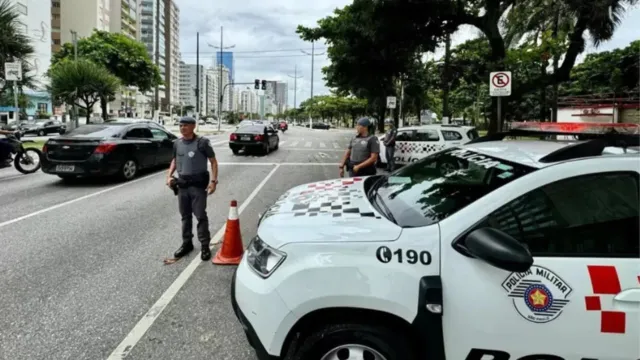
[{"x": 124, "y": 57}]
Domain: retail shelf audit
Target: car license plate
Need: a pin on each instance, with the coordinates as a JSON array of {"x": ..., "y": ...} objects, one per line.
[
  {"x": 245, "y": 138},
  {"x": 65, "y": 168}
]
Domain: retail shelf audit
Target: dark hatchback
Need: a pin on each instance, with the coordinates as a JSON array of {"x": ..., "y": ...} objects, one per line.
[
  {"x": 260, "y": 137},
  {"x": 108, "y": 149}
]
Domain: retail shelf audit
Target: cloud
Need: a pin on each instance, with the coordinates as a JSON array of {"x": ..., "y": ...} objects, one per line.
[{"x": 267, "y": 47}]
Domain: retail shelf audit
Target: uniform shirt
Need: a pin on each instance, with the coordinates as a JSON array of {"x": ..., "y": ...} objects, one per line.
[
  {"x": 192, "y": 156},
  {"x": 362, "y": 147},
  {"x": 391, "y": 134}
]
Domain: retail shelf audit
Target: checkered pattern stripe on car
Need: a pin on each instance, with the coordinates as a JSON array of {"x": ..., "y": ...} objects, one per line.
[
  {"x": 417, "y": 148},
  {"x": 335, "y": 206}
]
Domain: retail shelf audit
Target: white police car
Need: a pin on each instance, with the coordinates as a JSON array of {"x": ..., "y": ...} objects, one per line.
[
  {"x": 417, "y": 142},
  {"x": 494, "y": 250}
]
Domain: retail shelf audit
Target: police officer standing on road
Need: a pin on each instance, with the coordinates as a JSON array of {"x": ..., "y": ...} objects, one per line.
[
  {"x": 191, "y": 155},
  {"x": 390, "y": 146},
  {"x": 362, "y": 154}
]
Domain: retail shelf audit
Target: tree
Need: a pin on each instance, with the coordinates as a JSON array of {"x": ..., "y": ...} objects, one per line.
[
  {"x": 124, "y": 57},
  {"x": 367, "y": 49},
  {"x": 14, "y": 46},
  {"x": 82, "y": 83}
]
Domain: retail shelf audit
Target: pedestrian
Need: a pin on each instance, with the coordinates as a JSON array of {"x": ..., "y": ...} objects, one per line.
[
  {"x": 191, "y": 155},
  {"x": 390, "y": 146},
  {"x": 362, "y": 153}
]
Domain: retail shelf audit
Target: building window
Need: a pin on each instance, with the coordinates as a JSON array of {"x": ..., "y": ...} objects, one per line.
[
  {"x": 56, "y": 41},
  {"x": 22, "y": 9},
  {"x": 55, "y": 16},
  {"x": 55, "y": 4},
  {"x": 43, "y": 107}
]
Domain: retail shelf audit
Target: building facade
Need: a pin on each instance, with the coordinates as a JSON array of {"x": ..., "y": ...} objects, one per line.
[
  {"x": 249, "y": 102},
  {"x": 212, "y": 93},
  {"x": 124, "y": 18},
  {"x": 188, "y": 85},
  {"x": 83, "y": 16},
  {"x": 152, "y": 35},
  {"x": 282, "y": 96},
  {"x": 172, "y": 53}
]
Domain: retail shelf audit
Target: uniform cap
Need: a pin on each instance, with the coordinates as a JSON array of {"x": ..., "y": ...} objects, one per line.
[
  {"x": 364, "y": 122},
  {"x": 187, "y": 120}
]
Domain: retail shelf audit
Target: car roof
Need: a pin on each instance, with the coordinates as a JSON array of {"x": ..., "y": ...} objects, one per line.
[
  {"x": 529, "y": 152},
  {"x": 436, "y": 126}
]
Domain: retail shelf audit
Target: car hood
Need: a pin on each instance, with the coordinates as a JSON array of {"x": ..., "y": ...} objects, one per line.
[{"x": 326, "y": 211}]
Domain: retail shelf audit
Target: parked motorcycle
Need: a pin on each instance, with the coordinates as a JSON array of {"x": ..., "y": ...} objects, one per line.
[{"x": 25, "y": 160}]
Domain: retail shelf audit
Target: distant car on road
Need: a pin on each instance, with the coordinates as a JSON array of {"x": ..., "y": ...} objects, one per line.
[
  {"x": 416, "y": 142},
  {"x": 320, "y": 125},
  {"x": 116, "y": 148},
  {"x": 263, "y": 138},
  {"x": 43, "y": 128}
]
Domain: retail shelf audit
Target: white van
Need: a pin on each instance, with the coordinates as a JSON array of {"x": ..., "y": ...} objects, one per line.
[{"x": 416, "y": 142}]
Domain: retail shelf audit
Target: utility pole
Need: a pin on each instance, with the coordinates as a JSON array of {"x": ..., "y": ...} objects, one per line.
[
  {"x": 220, "y": 87},
  {"x": 156, "y": 107},
  {"x": 295, "y": 78},
  {"x": 197, "y": 78},
  {"x": 313, "y": 55},
  {"x": 74, "y": 37},
  {"x": 445, "y": 92}
]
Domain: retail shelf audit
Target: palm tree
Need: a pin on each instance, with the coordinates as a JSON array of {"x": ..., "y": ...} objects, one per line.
[
  {"x": 82, "y": 83},
  {"x": 14, "y": 45}
]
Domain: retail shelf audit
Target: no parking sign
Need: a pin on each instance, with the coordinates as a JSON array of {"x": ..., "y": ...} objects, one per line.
[{"x": 500, "y": 83}]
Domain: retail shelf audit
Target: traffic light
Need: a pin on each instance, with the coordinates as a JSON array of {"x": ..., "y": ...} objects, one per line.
[
  {"x": 264, "y": 84},
  {"x": 257, "y": 84}
]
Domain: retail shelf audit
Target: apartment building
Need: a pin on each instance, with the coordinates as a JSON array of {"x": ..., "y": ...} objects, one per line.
[
  {"x": 188, "y": 85},
  {"x": 226, "y": 87},
  {"x": 124, "y": 17},
  {"x": 172, "y": 53},
  {"x": 83, "y": 16},
  {"x": 249, "y": 102},
  {"x": 212, "y": 93},
  {"x": 153, "y": 35}
]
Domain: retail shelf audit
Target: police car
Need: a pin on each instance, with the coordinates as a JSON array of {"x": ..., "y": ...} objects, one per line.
[
  {"x": 416, "y": 142},
  {"x": 492, "y": 250}
]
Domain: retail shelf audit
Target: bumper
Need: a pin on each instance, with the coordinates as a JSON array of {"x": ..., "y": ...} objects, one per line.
[
  {"x": 89, "y": 167},
  {"x": 263, "y": 315},
  {"x": 248, "y": 145}
]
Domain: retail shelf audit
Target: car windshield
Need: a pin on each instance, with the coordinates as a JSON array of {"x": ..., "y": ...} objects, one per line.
[
  {"x": 439, "y": 185},
  {"x": 98, "y": 131}
]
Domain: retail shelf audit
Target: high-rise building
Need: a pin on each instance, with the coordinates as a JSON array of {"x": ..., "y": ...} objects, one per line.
[
  {"x": 228, "y": 62},
  {"x": 249, "y": 101},
  {"x": 282, "y": 96},
  {"x": 172, "y": 53},
  {"x": 152, "y": 34},
  {"x": 82, "y": 17},
  {"x": 34, "y": 17},
  {"x": 124, "y": 17},
  {"x": 188, "y": 85},
  {"x": 212, "y": 92},
  {"x": 55, "y": 26}
]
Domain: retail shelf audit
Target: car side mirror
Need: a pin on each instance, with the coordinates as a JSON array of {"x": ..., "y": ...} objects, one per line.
[{"x": 498, "y": 249}]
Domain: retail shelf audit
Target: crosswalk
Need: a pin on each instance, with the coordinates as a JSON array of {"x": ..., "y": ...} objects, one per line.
[{"x": 311, "y": 145}]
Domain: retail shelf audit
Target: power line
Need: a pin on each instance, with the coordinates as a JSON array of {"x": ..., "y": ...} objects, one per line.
[
  {"x": 257, "y": 56},
  {"x": 259, "y": 51}
]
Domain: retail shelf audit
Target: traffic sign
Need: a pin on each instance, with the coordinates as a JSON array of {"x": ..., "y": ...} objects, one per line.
[
  {"x": 500, "y": 83},
  {"x": 12, "y": 71},
  {"x": 391, "y": 102}
]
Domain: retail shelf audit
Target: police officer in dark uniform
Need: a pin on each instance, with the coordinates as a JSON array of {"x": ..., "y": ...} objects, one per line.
[
  {"x": 191, "y": 156},
  {"x": 362, "y": 154}
]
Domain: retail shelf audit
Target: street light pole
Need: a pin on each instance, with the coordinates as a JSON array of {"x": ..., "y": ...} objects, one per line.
[
  {"x": 74, "y": 37},
  {"x": 295, "y": 78},
  {"x": 313, "y": 55},
  {"x": 220, "y": 98}
]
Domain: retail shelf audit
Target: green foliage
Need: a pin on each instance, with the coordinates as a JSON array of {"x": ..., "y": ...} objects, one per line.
[
  {"x": 125, "y": 58},
  {"x": 14, "y": 45},
  {"x": 82, "y": 83}
]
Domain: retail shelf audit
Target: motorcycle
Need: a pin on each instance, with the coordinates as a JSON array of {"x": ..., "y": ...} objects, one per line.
[{"x": 23, "y": 157}]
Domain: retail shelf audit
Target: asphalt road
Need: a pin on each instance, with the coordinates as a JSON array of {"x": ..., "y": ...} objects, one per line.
[{"x": 81, "y": 268}]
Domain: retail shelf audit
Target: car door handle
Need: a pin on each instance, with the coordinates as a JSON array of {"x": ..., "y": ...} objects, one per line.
[{"x": 627, "y": 300}]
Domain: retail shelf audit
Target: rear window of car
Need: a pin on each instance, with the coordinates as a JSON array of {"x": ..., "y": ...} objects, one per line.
[
  {"x": 472, "y": 134},
  {"x": 252, "y": 129},
  {"x": 101, "y": 131}
]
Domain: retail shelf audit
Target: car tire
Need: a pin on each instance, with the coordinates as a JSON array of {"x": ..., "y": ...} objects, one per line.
[
  {"x": 266, "y": 149},
  {"x": 277, "y": 145},
  {"x": 41, "y": 133},
  {"x": 340, "y": 339},
  {"x": 129, "y": 170}
]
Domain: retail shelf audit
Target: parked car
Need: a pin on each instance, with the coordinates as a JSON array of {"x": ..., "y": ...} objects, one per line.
[
  {"x": 263, "y": 138},
  {"x": 116, "y": 148},
  {"x": 319, "y": 125},
  {"x": 417, "y": 142},
  {"x": 43, "y": 127}
]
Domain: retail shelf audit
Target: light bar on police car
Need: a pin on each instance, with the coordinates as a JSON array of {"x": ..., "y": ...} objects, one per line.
[
  {"x": 262, "y": 258},
  {"x": 575, "y": 128}
]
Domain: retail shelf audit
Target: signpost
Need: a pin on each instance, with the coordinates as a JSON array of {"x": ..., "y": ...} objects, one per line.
[
  {"x": 391, "y": 102},
  {"x": 13, "y": 72},
  {"x": 499, "y": 86}
]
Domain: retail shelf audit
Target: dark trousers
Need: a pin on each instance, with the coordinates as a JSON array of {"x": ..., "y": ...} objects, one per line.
[
  {"x": 192, "y": 201},
  {"x": 390, "y": 152},
  {"x": 5, "y": 149},
  {"x": 371, "y": 170}
]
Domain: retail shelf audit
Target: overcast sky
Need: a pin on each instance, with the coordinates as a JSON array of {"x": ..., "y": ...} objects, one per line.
[{"x": 267, "y": 47}]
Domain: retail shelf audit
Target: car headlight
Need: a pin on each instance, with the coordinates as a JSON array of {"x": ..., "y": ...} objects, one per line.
[{"x": 262, "y": 258}]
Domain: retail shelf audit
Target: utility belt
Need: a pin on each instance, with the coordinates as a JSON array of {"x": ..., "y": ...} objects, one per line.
[
  {"x": 200, "y": 180},
  {"x": 369, "y": 170}
]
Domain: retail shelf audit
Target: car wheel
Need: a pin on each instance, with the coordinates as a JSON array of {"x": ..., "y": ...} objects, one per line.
[
  {"x": 41, "y": 133},
  {"x": 354, "y": 341},
  {"x": 266, "y": 149},
  {"x": 129, "y": 170},
  {"x": 277, "y": 144}
]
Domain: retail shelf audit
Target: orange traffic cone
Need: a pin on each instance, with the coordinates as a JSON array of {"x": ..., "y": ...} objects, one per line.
[{"x": 231, "y": 251}]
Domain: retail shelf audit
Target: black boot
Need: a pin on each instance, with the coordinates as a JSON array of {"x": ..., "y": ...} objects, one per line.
[
  {"x": 184, "y": 250},
  {"x": 206, "y": 253}
]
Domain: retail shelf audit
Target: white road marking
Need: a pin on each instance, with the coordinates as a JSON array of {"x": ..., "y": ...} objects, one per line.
[
  {"x": 220, "y": 142},
  {"x": 336, "y": 145},
  {"x": 295, "y": 143},
  {"x": 88, "y": 196},
  {"x": 322, "y": 145},
  {"x": 307, "y": 144},
  {"x": 282, "y": 143},
  {"x": 154, "y": 312},
  {"x": 12, "y": 177}
]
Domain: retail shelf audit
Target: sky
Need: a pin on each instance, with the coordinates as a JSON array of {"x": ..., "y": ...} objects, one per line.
[{"x": 266, "y": 46}]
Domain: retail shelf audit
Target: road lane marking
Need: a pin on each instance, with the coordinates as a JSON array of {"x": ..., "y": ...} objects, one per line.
[
  {"x": 282, "y": 143},
  {"x": 73, "y": 201},
  {"x": 220, "y": 142},
  {"x": 138, "y": 331},
  {"x": 295, "y": 143},
  {"x": 322, "y": 145},
  {"x": 307, "y": 144},
  {"x": 336, "y": 146}
]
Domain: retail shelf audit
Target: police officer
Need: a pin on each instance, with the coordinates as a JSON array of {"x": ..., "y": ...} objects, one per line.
[
  {"x": 362, "y": 154},
  {"x": 390, "y": 145},
  {"x": 191, "y": 155}
]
